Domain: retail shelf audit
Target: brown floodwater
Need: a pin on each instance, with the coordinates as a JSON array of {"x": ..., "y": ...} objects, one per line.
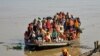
[
  {"x": 9, "y": 51},
  {"x": 14, "y": 50},
  {"x": 48, "y": 52}
]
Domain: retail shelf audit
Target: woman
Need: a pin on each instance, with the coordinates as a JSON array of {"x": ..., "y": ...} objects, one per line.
[
  {"x": 48, "y": 24},
  {"x": 54, "y": 35},
  {"x": 47, "y": 37}
]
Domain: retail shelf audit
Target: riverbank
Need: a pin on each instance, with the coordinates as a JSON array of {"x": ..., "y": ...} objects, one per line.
[{"x": 94, "y": 52}]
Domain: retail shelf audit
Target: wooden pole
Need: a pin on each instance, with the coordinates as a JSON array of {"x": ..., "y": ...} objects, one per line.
[{"x": 96, "y": 44}]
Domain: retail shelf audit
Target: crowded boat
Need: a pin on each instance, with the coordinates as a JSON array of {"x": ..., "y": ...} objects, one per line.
[{"x": 59, "y": 28}]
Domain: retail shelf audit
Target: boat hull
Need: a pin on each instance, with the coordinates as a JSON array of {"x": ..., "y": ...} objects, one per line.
[{"x": 45, "y": 45}]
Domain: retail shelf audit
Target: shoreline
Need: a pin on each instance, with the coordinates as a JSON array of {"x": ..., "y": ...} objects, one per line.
[{"x": 94, "y": 52}]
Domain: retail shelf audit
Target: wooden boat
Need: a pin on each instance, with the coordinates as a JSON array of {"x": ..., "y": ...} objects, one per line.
[
  {"x": 49, "y": 35},
  {"x": 45, "y": 45},
  {"x": 48, "y": 44}
]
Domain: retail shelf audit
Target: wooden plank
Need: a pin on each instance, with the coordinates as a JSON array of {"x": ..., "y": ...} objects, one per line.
[
  {"x": 54, "y": 44},
  {"x": 49, "y": 44}
]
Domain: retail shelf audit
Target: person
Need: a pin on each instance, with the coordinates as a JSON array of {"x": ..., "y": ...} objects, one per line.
[
  {"x": 77, "y": 24},
  {"x": 79, "y": 20},
  {"x": 65, "y": 52},
  {"x": 62, "y": 25},
  {"x": 72, "y": 16},
  {"x": 61, "y": 28},
  {"x": 74, "y": 35},
  {"x": 48, "y": 24},
  {"x": 47, "y": 37},
  {"x": 54, "y": 35},
  {"x": 33, "y": 35},
  {"x": 34, "y": 21},
  {"x": 63, "y": 21},
  {"x": 35, "y": 25},
  {"x": 30, "y": 27},
  {"x": 58, "y": 27},
  {"x": 67, "y": 15},
  {"x": 26, "y": 37},
  {"x": 39, "y": 35},
  {"x": 44, "y": 23},
  {"x": 39, "y": 25},
  {"x": 66, "y": 25},
  {"x": 71, "y": 22}
]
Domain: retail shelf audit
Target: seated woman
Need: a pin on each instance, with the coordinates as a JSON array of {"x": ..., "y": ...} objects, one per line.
[
  {"x": 54, "y": 35},
  {"x": 47, "y": 37},
  {"x": 61, "y": 28},
  {"x": 62, "y": 36},
  {"x": 39, "y": 36}
]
